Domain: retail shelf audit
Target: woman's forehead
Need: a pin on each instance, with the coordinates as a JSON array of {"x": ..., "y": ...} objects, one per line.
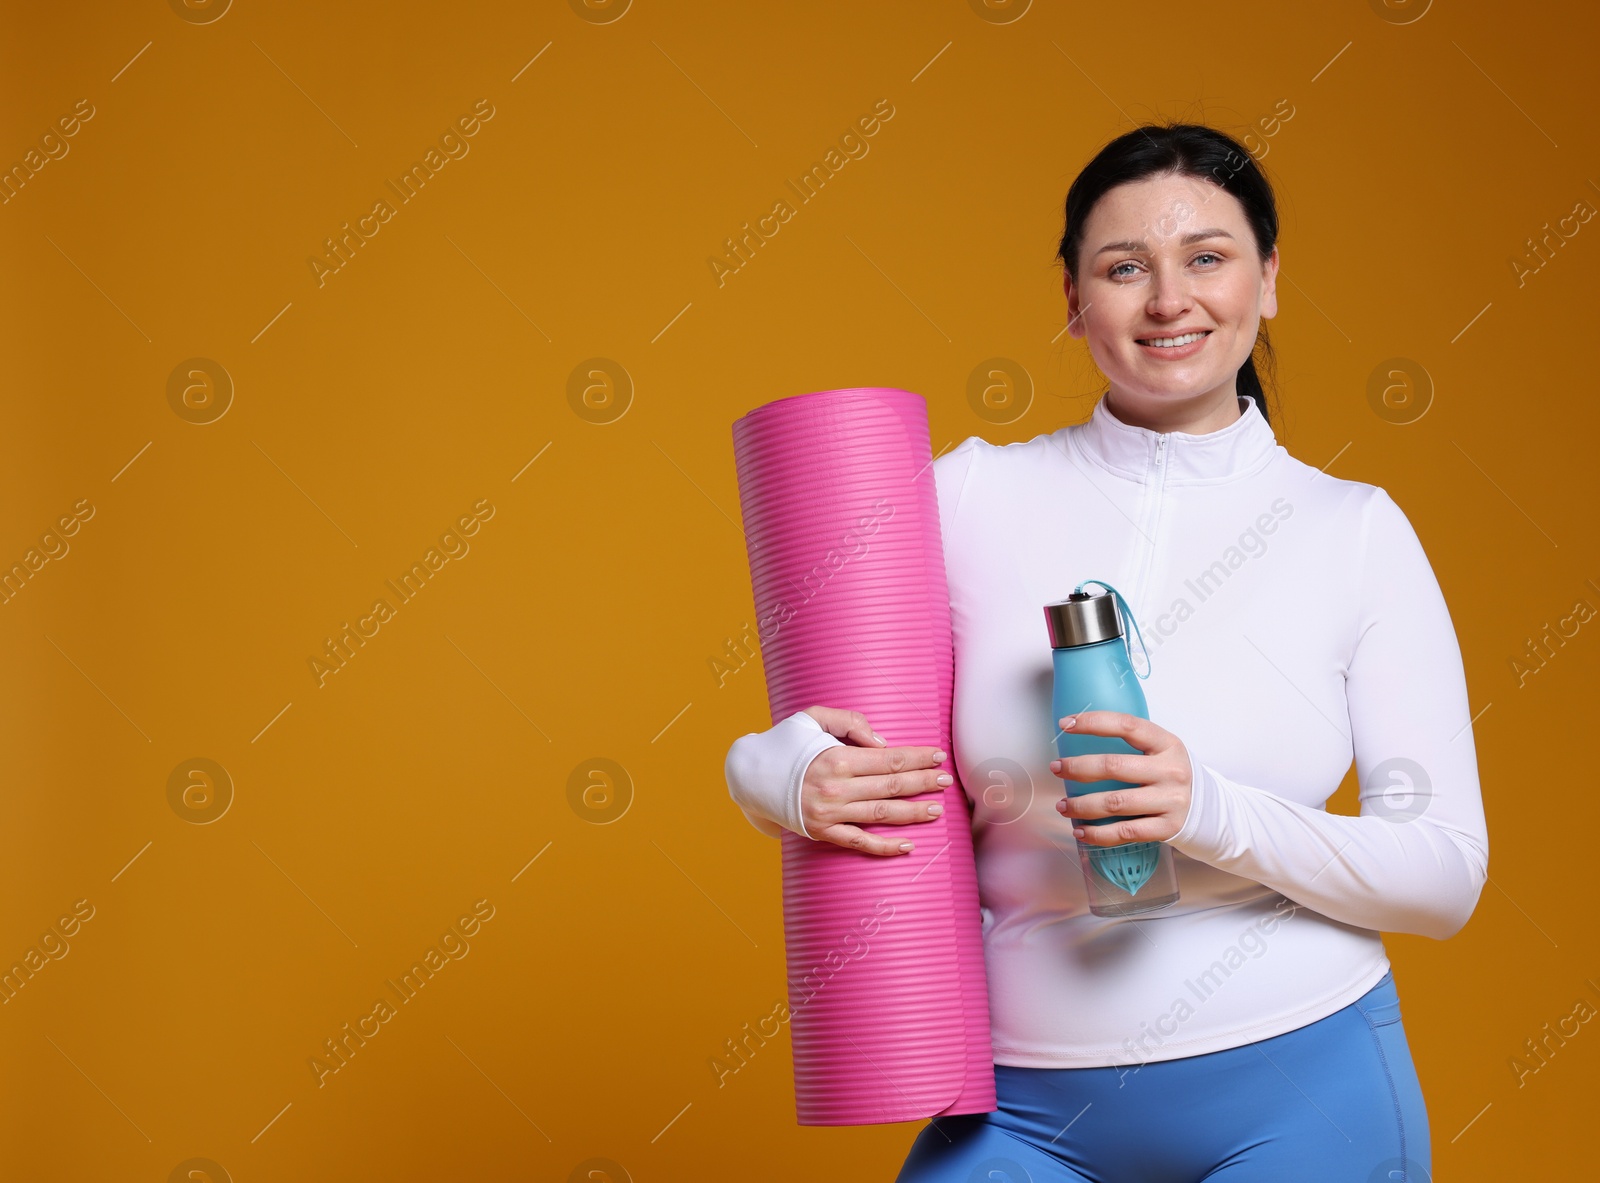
[{"x": 1167, "y": 205}]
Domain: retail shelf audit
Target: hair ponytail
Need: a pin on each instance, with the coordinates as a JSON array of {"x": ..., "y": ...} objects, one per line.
[{"x": 1249, "y": 383}]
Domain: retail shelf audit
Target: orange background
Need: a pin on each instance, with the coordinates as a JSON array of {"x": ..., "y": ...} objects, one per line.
[{"x": 432, "y": 372}]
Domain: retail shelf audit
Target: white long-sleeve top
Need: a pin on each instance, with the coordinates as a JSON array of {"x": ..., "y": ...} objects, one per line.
[{"x": 1293, "y": 621}]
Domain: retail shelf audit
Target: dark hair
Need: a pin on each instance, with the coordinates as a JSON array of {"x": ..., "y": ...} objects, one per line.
[{"x": 1192, "y": 150}]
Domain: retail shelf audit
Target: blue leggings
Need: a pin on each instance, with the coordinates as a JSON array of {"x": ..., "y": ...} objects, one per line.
[{"x": 1335, "y": 1101}]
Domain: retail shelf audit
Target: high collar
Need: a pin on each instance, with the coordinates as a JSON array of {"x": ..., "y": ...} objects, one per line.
[{"x": 1239, "y": 449}]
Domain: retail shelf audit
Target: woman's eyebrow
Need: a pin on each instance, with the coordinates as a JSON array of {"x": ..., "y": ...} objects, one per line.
[{"x": 1186, "y": 240}]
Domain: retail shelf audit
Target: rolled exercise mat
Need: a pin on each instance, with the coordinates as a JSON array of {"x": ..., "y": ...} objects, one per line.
[{"x": 888, "y": 997}]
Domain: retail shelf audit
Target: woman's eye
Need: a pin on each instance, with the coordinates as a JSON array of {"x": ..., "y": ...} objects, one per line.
[{"x": 1117, "y": 272}]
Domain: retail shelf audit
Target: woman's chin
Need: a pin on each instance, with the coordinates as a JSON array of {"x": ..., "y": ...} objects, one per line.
[{"x": 1167, "y": 385}]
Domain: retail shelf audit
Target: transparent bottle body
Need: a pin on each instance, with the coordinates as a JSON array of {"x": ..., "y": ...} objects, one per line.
[{"x": 1134, "y": 877}]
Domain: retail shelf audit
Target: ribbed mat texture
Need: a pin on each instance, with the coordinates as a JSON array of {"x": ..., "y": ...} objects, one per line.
[{"x": 887, "y": 991}]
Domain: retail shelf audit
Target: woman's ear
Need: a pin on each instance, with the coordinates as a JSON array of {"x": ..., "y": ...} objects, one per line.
[
  {"x": 1074, "y": 308},
  {"x": 1269, "y": 286}
]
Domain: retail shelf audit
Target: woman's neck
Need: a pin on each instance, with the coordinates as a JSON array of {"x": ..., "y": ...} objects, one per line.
[{"x": 1211, "y": 412}]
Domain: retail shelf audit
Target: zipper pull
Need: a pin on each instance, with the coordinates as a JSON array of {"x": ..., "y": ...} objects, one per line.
[{"x": 1161, "y": 447}]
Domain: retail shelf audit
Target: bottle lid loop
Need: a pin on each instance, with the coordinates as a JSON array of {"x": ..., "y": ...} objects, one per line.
[{"x": 1128, "y": 613}]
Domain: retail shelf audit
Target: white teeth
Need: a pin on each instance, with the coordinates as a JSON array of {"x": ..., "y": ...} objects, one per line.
[{"x": 1171, "y": 342}]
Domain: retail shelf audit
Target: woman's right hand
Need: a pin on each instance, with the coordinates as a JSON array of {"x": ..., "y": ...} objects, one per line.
[{"x": 848, "y": 786}]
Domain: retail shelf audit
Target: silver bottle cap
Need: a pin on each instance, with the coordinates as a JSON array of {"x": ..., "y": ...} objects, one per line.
[{"x": 1082, "y": 619}]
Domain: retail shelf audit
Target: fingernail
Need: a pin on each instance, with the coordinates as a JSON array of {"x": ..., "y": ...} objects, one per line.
[
  {"x": 1068, "y": 721},
  {"x": 935, "y": 810},
  {"x": 1077, "y": 831},
  {"x": 878, "y": 738},
  {"x": 944, "y": 778},
  {"x": 938, "y": 757},
  {"x": 1055, "y": 766},
  {"x": 905, "y": 846}
]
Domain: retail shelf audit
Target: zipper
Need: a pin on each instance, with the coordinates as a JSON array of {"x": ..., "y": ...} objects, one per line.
[{"x": 1142, "y": 587}]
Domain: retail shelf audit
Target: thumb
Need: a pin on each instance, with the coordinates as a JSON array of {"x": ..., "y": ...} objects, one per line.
[{"x": 847, "y": 725}]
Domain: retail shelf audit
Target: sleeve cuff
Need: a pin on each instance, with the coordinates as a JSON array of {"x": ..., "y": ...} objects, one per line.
[
  {"x": 766, "y": 771},
  {"x": 1202, "y": 793}
]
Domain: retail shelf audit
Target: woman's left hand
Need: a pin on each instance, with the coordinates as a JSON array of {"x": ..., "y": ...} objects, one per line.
[{"x": 1160, "y": 767}]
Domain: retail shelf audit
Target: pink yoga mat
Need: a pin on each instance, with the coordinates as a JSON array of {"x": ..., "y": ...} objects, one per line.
[{"x": 888, "y": 999}]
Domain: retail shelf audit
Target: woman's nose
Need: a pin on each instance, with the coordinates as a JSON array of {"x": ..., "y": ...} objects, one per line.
[{"x": 1169, "y": 292}]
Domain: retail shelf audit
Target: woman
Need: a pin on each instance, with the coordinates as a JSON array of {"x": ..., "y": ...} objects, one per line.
[{"x": 1251, "y": 1031}]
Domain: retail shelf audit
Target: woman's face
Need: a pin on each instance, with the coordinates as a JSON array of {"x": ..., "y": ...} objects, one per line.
[{"x": 1160, "y": 257}]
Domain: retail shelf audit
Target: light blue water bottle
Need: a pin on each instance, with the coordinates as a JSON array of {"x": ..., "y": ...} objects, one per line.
[{"x": 1094, "y": 671}]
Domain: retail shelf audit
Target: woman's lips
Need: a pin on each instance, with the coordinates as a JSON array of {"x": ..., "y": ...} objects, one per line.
[{"x": 1174, "y": 352}]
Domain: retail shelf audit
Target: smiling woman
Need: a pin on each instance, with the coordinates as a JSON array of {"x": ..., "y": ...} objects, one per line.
[{"x": 1335, "y": 643}]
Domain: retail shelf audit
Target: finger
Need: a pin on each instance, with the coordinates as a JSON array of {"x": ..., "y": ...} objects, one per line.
[
  {"x": 911, "y": 782},
  {"x": 885, "y": 812},
  {"x": 864, "y": 799},
  {"x": 860, "y": 763},
  {"x": 858, "y": 839},
  {"x": 1133, "y": 767},
  {"x": 851, "y": 726},
  {"x": 1119, "y": 833},
  {"x": 1138, "y": 732},
  {"x": 1111, "y": 803}
]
